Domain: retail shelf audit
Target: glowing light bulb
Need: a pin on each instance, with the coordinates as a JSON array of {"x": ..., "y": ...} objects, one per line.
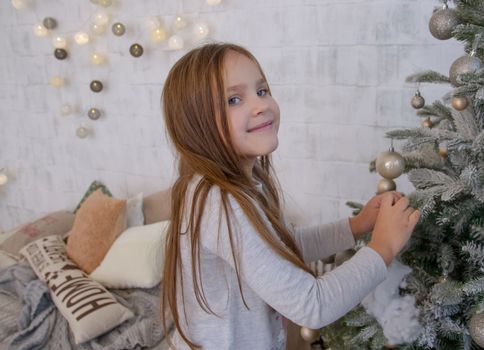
[
  {"x": 81, "y": 38},
  {"x": 40, "y": 30},
  {"x": 201, "y": 30},
  {"x": 101, "y": 18},
  {"x": 3, "y": 179},
  {"x": 179, "y": 23},
  {"x": 213, "y": 2},
  {"x": 98, "y": 28},
  {"x": 158, "y": 35},
  {"x": 175, "y": 42},
  {"x": 97, "y": 58},
  {"x": 57, "y": 81},
  {"x": 59, "y": 42}
]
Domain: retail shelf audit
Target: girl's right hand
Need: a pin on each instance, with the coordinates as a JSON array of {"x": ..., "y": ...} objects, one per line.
[{"x": 394, "y": 225}]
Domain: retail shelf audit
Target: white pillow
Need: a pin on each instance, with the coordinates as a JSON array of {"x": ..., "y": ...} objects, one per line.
[
  {"x": 134, "y": 209},
  {"x": 136, "y": 258}
]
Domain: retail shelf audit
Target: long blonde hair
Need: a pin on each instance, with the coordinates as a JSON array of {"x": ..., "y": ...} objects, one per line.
[{"x": 194, "y": 108}]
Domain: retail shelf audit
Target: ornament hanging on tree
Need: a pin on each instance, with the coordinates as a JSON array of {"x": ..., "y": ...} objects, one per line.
[
  {"x": 427, "y": 123},
  {"x": 465, "y": 64},
  {"x": 417, "y": 101},
  {"x": 460, "y": 103},
  {"x": 476, "y": 328},
  {"x": 390, "y": 164},
  {"x": 443, "y": 151},
  {"x": 310, "y": 335},
  {"x": 443, "y": 22},
  {"x": 60, "y": 54},
  {"x": 136, "y": 50},
  {"x": 385, "y": 185}
]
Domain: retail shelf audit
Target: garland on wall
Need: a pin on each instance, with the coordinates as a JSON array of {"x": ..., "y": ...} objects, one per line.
[{"x": 168, "y": 33}]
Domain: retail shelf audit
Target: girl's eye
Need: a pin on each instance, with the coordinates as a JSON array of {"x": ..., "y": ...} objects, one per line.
[
  {"x": 234, "y": 100},
  {"x": 262, "y": 92}
]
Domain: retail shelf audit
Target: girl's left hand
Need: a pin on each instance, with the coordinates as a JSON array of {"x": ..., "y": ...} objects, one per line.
[{"x": 365, "y": 221}]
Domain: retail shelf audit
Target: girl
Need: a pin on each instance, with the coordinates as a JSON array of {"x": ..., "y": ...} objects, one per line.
[{"x": 233, "y": 266}]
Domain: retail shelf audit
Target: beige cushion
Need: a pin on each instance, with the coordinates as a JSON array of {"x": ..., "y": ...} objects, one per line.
[
  {"x": 56, "y": 223},
  {"x": 98, "y": 222},
  {"x": 157, "y": 207},
  {"x": 136, "y": 258},
  {"x": 88, "y": 307}
]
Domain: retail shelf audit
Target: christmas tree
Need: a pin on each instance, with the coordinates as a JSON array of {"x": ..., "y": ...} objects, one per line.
[{"x": 444, "y": 160}]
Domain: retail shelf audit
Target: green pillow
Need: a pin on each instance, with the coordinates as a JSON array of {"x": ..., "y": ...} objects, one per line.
[{"x": 93, "y": 187}]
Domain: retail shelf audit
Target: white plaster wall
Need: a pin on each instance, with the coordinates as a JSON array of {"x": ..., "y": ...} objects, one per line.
[{"x": 337, "y": 68}]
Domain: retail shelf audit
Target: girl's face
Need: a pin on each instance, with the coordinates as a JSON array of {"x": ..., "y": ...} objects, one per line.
[{"x": 253, "y": 115}]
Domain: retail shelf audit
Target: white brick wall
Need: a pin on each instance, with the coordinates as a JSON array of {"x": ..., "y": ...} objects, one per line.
[{"x": 337, "y": 68}]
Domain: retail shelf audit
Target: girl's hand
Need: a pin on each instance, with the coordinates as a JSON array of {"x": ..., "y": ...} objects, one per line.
[
  {"x": 394, "y": 225},
  {"x": 365, "y": 220}
]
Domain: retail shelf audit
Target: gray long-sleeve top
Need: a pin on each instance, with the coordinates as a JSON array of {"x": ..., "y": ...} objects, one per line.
[{"x": 272, "y": 286}]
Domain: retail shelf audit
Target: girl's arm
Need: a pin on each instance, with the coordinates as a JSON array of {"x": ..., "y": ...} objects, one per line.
[
  {"x": 319, "y": 242},
  {"x": 296, "y": 294}
]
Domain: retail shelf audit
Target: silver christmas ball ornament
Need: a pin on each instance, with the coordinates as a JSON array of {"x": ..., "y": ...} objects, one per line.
[
  {"x": 443, "y": 22},
  {"x": 96, "y": 86},
  {"x": 385, "y": 185},
  {"x": 94, "y": 113},
  {"x": 118, "y": 29},
  {"x": 390, "y": 164},
  {"x": 417, "y": 101},
  {"x": 310, "y": 335},
  {"x": 476, "y": 328},
  {"x": 463, "y": 65},
  {"x": 60, "y": 54},
  {"x": 49, "y": 23},
  {"x": 136, "y": 50},
  {"x": 82, "y": 132}
]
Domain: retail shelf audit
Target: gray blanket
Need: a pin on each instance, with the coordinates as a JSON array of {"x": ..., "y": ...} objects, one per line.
[{"x": 30, "y": 320}]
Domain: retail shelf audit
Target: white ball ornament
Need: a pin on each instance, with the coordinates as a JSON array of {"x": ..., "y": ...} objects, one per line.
[
  {"x": 3, "y": 179},
  {"x": 390, "y": 164},
  {"x": 213, "y": 2},
  {"x": 201, "y": 30},
  {"x": 98, "y": 29},
  {"x": 20, "y": 4},
  {"x": 175, "y": 42},
  {"x": 179, "y": 23},
  {"x": 97, "y": 58},
  {"x": 100, "y": 18},
  {"x": 66, "y": 110},
  {"x": 81, "y": 38},
  {"x": 57, "y": 81},
  {"x": 59, "y": 42},
  {"x": 82, "y": 132},
  {"x": 40, "y": 30}
]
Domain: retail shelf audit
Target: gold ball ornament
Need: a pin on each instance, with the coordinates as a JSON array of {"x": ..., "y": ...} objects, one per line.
[
  {"x": 476, "y": 328},
  {"x": 417, "y": 101},
  {"x": 136, "y": 50},
  {"x": 460, "y": 103},
  {"x": 49, "y": 23},
  {"x": 443, "y": 151},
  {"x": 82, "y": 132},
  {"x": 443, "y": 22},
  {"x": 463, "y": 65},
  {"x": 60, "y": 54},
  {"x": 427, "y": 123},
  {"x": 385, "y": 185},
  {"x": 310, "y": 335},
  {"x": 118, "y": 29},
  {"x": 96, "y": 86},
  {"x": 94, "y": 113},
  {"x": 390, "y": 164}
]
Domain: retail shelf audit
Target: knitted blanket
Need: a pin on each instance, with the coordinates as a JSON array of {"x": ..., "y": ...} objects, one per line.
[{"x": 30, "y": 320}]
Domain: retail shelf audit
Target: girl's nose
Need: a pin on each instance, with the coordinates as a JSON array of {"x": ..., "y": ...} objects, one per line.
[{"x": 259, "y": 105}]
